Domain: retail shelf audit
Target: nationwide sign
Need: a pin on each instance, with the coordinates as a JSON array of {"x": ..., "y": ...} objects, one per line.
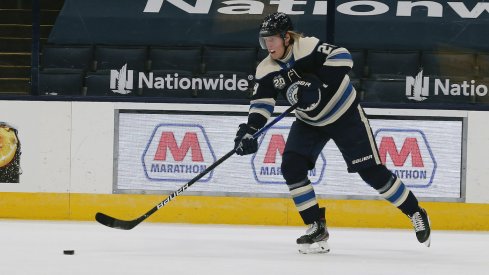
[
  {"x": 122, "y": 82},
  {"x": 353, "y": 8},
  {"x": 418, "y": 88},
  {"x": 161, "y": 151}
]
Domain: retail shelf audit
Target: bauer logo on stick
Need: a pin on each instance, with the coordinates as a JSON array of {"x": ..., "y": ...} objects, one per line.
[
  {"x": 9, "y": 154},
  {"x": 177, "y": 152}
]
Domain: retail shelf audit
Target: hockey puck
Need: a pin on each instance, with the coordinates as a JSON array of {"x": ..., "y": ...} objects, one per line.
[{"x": 69, "y": 252}]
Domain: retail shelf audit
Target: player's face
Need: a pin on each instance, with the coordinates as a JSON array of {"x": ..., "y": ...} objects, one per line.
[{"x": 276, "y": 46}]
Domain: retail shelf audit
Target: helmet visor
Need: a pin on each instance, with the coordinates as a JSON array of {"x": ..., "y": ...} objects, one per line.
[{"x": 263, "y": 44}]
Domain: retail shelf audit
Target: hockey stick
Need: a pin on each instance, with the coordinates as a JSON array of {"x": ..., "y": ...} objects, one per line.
[{"x": 127, "y": 225}]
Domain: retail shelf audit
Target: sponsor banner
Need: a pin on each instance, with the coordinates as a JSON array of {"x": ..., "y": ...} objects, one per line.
[
  {"x": 421, "y": 88},
  {"x": 357, "y": 23},
  {"x": 126, "y": 81},
  {"x": 160, "y": 152}
]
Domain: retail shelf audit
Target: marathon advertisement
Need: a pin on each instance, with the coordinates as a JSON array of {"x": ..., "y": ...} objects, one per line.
[
  {"x": 158, "y": 153},
  {"x": 358, "y": 24}
]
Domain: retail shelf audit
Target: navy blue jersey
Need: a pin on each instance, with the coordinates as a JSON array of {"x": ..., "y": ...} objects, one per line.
[{"x": 329, "y": 63}]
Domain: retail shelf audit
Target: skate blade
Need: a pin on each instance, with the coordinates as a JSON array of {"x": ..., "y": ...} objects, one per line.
[
  {"x": 315, "y": 248},
  {"x": 428, "y": 242}
]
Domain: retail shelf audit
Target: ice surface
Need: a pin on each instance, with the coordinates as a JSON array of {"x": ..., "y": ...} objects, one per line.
[{"x": 36, "y": 247}]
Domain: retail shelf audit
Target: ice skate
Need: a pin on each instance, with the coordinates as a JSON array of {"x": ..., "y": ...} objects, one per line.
[
  {"x": 316, "y": 238},
  {"x": 422, "y": 226}
]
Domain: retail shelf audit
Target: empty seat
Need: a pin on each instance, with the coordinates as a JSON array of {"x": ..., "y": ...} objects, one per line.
[
  {"x": 61, "y": 82},
  {"x": 358, "y": 57},
  {"x": 448, "y": 64},
  {"x": 392, "y": 64},
  {"x": 224, "y": 59},
  {"x": 114, "y": 58},
  {"x": 67, "y": 56},
  {"x": 113, "y": 83},
  {"x": 384, "y": 90},
  {"x": 187, "y": 59},
  {"x": 483, "y": 64}
]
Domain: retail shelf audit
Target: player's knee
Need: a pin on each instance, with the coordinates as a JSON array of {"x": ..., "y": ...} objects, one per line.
[
  {"x": 294, "y": 167},
  {"x": 377, "y": 176}
]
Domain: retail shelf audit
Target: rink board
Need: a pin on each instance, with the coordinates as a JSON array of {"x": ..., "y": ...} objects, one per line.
[{"x": 235, "y": 210}]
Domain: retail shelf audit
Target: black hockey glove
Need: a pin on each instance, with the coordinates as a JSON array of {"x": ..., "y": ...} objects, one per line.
[
  {"x": 244, "y": 143},
  {"x": 306, "y": 92}
]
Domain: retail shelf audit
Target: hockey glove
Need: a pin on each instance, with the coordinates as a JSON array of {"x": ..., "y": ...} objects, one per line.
[
  {"x": 244, "y": 143},
  {"x": 306, "y": 92}
]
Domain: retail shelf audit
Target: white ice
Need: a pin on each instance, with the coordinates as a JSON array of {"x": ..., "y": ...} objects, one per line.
[{"x": 36, "y": 247}]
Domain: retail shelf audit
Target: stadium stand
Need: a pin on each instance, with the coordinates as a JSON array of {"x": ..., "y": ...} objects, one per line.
[
  {"x": 61, "y": 82},
  {"x": 16, "y": 40},
  {"x": 115, "y": 57},
  {"x": 174, "y": 62},
  {"x": 392, "y": 64},
  {"x": 67, "y": 57},
  {"x": 483, "y": 65},
  {"x": 448, "y": 64},
  {"x": 358, "y": 70},
  {"x": 228, "y": 63},
  {"x": 384, "y": 90}
]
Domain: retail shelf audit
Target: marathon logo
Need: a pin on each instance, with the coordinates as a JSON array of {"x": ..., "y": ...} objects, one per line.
[
  {"x": 407, "y": 153},
  {"x": 267, "y": 161},
  {"x": 432, "y": 9},
  {"x": 177, "y": 152}
]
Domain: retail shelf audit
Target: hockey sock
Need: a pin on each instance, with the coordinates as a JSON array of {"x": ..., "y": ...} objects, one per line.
[
  {"x": 390, "y": 188},
  {"x": 305, "y": 200},
  {"x": 400, "y": 196}
]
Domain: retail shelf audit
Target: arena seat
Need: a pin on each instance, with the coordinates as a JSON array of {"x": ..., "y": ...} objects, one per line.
[
  {"x": 384, "y": 90},
  {"x": 176, "y": 58},
  {"x": 392, "y": 64},
  {"x": 99, "y": 84},
  {"x": 61, "y": 82},
  {"x": 114, "y": 57},
  {"x": 242, "y": 60},
  {"x": 67, "y": 57},
  {"x": 483, "y": 65},
  {"x": 448, "y": 64},
  {"x": 358, "y": 70}
]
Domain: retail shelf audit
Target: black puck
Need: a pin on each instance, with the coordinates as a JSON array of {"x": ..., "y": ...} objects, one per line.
[{"x": 69, "y": 252}]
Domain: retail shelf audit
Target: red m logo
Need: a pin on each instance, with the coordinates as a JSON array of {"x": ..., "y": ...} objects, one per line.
[
  {"x": 168, "y": 141},
  {"x": 277, "y": 143},
  {"x": 409, "y": 147}
]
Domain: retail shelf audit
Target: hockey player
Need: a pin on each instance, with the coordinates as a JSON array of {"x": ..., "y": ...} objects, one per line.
[{"x": 314, "y": 75}]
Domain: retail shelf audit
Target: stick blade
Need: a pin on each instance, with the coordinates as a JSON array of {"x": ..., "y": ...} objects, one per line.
[{"x": 115, "y": 223}]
